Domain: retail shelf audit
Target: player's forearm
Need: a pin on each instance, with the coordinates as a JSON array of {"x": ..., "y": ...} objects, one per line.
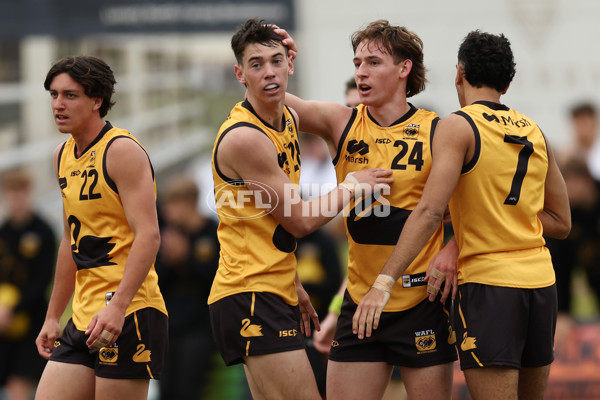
[
  {"x": 555, "y": 225},
  {"x": 419, "y": 227},
  {"x": 308, "y": 216},
  {"x": 64, "y": 282},
  {"x": 141, "y": 257}
]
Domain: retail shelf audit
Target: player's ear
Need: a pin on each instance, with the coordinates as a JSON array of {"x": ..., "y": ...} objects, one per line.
[
  {"x": 405, "y": 68},
  {"x": 290, "y": 66},
  {"x": 239, "y": 74},
  {"x": 97, "y": 103},
  {"x": 459, "y": 75}
]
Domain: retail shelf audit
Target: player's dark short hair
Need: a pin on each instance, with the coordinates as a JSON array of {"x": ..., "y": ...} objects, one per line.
[
  {"x": 487, "y": 60},
  {"x": 253, "y": 31},
  {"x": 92, "y": 73}
]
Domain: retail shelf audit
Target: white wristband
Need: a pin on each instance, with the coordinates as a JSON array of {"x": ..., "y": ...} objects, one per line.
[{"x": 385, "y": 283}]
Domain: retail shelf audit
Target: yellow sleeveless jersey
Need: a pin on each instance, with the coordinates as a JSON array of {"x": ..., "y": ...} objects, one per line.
[
  {"x": 374, "y": 225},
  {"x": 257, "y": 253},
  {"x": 497, "y": 199},
  {"x": 100, "y": 234}
]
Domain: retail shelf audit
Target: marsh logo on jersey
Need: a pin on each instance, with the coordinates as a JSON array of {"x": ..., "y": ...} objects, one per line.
[
  {"x": 108, "y": 355},
  {"x": 425, "y": 341},
  {"x": 355, "y": 146},
  {"x": 361, "y": 148},
  {"x": 491, "y": 117},
  {"x": 411, "y": 131},
  {"x": 413, "y": 280}
]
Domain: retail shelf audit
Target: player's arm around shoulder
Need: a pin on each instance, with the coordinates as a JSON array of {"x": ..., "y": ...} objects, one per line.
[
  {"x": 248, "y": 154},
  {"x": 321, "y": 118},
  {"x": 556, "y": 215}
]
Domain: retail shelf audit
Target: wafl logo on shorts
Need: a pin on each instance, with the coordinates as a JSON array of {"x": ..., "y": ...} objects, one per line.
[
  {"x": 425, "y": 341},
  {"x": 108, "y": 355}
]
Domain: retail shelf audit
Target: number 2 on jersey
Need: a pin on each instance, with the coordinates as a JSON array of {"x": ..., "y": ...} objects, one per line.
[
  {"x": 517, "y": 182},
  {"x": 93, "y": 177}
]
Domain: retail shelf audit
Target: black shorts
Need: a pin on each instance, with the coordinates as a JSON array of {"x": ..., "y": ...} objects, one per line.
[
  {"x": 254, "y": 323},
  {"x": 138, "y": 353},
  {"x": 502, "y": 326},
  {"x": 418, "y": 337}
]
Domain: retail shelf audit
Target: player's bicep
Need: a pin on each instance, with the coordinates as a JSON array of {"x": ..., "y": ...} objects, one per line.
[
  {"x": 449, "y": 149},
  {"x": 129, "y": 168},
  {"x": 557, "y": 218},
  {"x": 249, "y": 155}
]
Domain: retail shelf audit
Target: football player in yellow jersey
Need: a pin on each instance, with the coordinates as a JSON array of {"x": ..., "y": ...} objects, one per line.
[
  {"x": 495, "y": 168},
  {"x": 116, "y": 340},
  {"x": 385, "y": 131},
  {"x": 256, "y": 168}
]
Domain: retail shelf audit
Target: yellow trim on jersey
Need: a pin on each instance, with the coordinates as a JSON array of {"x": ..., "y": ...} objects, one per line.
[
  {"x": 497, "y": 200},
  {"x": 373, "y": 227},
  {"x": 257, "y": 253}
]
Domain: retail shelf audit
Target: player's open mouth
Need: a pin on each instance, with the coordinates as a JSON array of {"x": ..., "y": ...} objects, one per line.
[{"x": 272, "y": 86}]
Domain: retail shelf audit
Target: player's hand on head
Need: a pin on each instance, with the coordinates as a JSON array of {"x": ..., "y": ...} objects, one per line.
[{"x": 287, "y": 41}]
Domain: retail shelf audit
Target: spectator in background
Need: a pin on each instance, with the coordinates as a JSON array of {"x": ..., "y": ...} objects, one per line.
[
  {"x": 317, "y": 254},
  {"x": 585, "y": 144},
  {"x": 27, "y": 250},
  {"x": 352, "y": 96},
  {"x": 580, "y": 249},
  {"x": 580, "y": 166},
  {"x": 187, "y": 261}
]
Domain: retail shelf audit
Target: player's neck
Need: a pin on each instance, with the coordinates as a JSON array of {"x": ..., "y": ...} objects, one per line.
[
  {"x": 389, "y": 112},
  {"x": 473, "y": 94},
  {"x": 271, "y": 113},
  {"x": 85, "y": 136}
]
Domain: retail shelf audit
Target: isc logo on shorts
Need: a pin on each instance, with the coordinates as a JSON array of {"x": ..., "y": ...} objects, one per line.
[
  {"x": 425, "y": 341},
  {"x": 291, "y": 332}
]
